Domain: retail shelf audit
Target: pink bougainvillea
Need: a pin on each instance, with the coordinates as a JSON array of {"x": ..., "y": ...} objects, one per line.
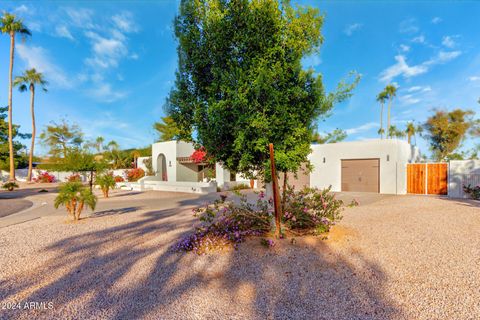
[
  {"x": 199, "y": 155},
  {"x": 44, "y": 177}
]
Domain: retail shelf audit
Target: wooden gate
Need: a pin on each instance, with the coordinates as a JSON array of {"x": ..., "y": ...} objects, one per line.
[{"x": 427, "y": 178}]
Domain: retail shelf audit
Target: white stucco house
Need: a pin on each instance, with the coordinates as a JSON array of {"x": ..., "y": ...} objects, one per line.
[
  {"x": 378, "y": 165},
  {"x": 365, "y": 166}
]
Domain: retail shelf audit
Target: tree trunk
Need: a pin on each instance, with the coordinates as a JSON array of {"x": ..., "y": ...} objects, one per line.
[
  {"x": 276, "y": 195},
  {"x": 388, "y": 117},
  {"x": 91, "y": 181},
  {"x": 32, "y": 109},
  {"x": 10, "y": 120},
  {"x": 79, "y": 210},
  {"x": 409, "y": 137},
  {"x": 284, "y": 195},
  {"x": 381, "y": 122}
]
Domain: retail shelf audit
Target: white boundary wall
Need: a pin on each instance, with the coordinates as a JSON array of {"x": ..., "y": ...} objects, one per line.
[{"x": 462, "y": 172}]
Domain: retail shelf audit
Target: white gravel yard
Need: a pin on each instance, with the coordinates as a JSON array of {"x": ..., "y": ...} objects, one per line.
[{"x": 405, "y": 257}]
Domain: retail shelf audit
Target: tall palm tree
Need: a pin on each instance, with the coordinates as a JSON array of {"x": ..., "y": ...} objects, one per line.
[
  {"x": 9, "y": 24},
  {"x": 28, "y": 81},
  {"x": 391, "y": 92},
  {"x": 99, "y": 143},
  {"x": 382, "y": 97},
  {"x": 410, "y": 131}
]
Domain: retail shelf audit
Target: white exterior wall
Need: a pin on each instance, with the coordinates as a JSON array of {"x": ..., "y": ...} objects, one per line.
[
  {"x": 169, "y": 149},
  {"x": 392, "y": 172},
  {"x": 140, "y": 163},
  {"x": 462, "y": 172}
]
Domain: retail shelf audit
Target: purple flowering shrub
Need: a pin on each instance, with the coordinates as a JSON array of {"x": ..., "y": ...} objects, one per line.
[
  {"x": 224, "y": 224},
  {"x": 311, "y": 209},
  {"x": 228, "y": 223}
]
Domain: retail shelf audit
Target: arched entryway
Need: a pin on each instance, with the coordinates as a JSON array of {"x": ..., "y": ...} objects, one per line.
[{"x": 162, "y": 167}]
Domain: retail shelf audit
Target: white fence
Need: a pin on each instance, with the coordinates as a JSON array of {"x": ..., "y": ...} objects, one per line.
[
  {"x": 60, "y": 176},
  {"x": 462, "y": 173}
]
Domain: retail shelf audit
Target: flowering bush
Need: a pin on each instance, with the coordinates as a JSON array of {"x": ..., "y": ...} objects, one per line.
[
  {"x": 226, "y": 223},
  {"x": 44, "y": 177},
  {"x": 119, "y": 179},
  {"x": 74, "y": 178},
  {"x": 135, "y": 174},
  {"x": 311, "y": 210},
  {"x": 199, "y": 155},
  {"x": 229, "y": 223},
  {"x": 474, "y": 192}
]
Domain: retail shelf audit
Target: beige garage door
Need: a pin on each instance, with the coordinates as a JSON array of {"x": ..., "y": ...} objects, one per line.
[{"x": 361, "y": 175}]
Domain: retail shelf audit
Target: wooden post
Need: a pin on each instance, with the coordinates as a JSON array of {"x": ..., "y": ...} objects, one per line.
[{"x": 276, "y": 193}]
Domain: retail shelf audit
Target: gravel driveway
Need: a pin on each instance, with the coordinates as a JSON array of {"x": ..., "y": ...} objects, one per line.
[{"x": 405, "y": 257}]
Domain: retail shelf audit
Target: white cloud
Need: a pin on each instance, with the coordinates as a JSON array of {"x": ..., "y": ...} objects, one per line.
[
  {"x": 443, "y": 57},
  {"x": 124, "y": 22},
  {"x": 106, "y": 51},
  {"x": 449, "y": 42},
  {"x": 81, "y": 17},
  {"x": 63, "y": 32},
  {"x": 419, "y": 88},
  {"x": 351, "y": 28},
  {"x": 104, "y": 93},
  {"x": 362, "y": 128},
  {"x": 419, "y": 39},
  {"x": 408, "y": 26},
  {"x": 409, "y": 99},
  {"x": 404, "y": 48},
  {"x": 436, "y": 20},
  {"x": 23, "y": 9},
  {"x": 474, "y": 78},
  {"x": 401, "y": 68},
  {"x": 37, "y": 57}
]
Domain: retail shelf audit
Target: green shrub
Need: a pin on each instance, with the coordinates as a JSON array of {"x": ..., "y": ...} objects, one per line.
[
  {"x": 10, "y": 185},
  {"x": 106, "y": 182},
  {"x": 75, "y": 196},
  {"x": 241, "y": 186}
]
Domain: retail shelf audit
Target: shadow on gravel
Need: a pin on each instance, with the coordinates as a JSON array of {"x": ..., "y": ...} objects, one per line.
[
  {"x": 111, "y": 212},
  {"x": 140, "y": 277},
  {"x": 23, "y": 193},
  {"x": 463, "y": 202}
]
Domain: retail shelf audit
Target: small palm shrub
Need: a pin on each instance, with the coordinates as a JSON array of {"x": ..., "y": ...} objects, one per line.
[
  {"x": 106, "y": 182},
  {"x": 75, "y": 197},
  {"x": 473, "y": 192},
  {"x": 10, "y": 185},
  {"x": 135, "y": 174}
]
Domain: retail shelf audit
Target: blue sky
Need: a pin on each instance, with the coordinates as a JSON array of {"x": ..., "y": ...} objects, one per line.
[{"x": 111, "y": 64}]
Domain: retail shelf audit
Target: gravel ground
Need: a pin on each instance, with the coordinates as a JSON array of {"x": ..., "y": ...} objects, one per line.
[{"x": 406, "y": 257}]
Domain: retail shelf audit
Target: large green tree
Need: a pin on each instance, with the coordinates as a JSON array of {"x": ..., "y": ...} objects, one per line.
[
  {"x": 10, "y": 25},
  {"x": 167, "y": 129},
  {"x": 240, "y": 83},
  {"x": 28, "y": 81},
  {"x": 60, "y": 137},
  {"x": 446, "y": 130},
  {"x": 19, "y": 157}
]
